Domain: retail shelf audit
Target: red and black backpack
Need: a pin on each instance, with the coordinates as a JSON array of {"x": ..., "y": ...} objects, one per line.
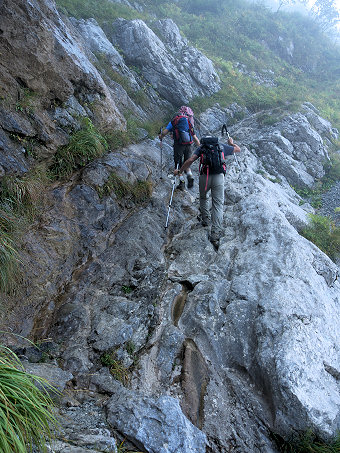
[{"x": 181, "y": 124}]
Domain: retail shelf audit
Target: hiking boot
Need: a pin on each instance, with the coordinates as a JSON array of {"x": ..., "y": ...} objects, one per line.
[
  {"x": 181, "y": 185},
  {"x": 190, "y": 182}
]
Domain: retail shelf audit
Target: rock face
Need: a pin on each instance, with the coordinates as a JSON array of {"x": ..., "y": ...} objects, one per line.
[
  {"x": 161, "y": 342},
  {"x": 178, "y": 72},
  {"x": 214, "y": 349},
  {"x": 297, "y": 135},
  {"x": 156, "y": 425},
  {"x": 43, "y": 66}
]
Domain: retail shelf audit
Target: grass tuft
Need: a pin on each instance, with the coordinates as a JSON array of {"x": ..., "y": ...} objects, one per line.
[
  {"x": 26, "y": 408},
  {"x": 9, "y": 257},
  {"x": 138, "y": 192},
  {"x": 324, "y": 234},
  {"x": 22, "y": 195},
  {"x": 84, "y": 146},
  {"x": 116, "y": 367}
]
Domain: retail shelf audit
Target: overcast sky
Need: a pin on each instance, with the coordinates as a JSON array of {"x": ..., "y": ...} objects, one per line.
[
  {"x": 276, "y": 3},
  {"x": 298, "y": 6}
]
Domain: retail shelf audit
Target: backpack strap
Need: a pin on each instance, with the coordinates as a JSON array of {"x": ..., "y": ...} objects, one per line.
[
  {"x": 223, "y": 161},
  {"x": 206, "y": 181},
  {"x": 200, "y": 170}
]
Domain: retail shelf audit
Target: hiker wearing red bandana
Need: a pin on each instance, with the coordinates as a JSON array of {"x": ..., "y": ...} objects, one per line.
[{"x": 182, "y": 129}]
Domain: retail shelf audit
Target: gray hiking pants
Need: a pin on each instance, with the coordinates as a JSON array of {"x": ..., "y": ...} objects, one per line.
[{"x": 215, "y": 184}]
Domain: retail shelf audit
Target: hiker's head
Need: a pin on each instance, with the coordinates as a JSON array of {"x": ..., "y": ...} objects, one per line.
[{"x": 184, "y": 110}]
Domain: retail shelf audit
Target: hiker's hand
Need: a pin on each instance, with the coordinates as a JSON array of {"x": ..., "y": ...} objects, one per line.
[
  {"x": 177, "y": 172},
  {"x": 230, "y": 141}
]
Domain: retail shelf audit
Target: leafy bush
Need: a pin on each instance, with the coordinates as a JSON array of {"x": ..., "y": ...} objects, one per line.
[
  {"x": 324, "y": 234},
  {"x": 312, "y": 195},
  {"x": 26, "y": 408},
  {"x": 308, "y": 443},
  {"x": 84, "y": 146}
]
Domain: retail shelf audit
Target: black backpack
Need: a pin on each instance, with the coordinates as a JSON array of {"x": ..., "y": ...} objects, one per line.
[{"x": 212, "y": 156}]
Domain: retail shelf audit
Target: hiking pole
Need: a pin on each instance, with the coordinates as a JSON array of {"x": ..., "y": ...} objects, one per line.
[
  {"x": 172, "y": 194},
  {"x": 239, "y": 166},
  {"x": 228, "y": 135},
  {"x": 161, "y": 146}
]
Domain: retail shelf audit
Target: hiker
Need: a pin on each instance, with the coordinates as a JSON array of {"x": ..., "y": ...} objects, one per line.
[
  {"x": 212, "y": 171},
  {"x": 182, "y": 129}
]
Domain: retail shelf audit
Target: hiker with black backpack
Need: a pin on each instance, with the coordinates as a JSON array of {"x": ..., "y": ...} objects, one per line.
[
  {"x": 182, "y": 129},
  {"x": 212, "y": 169}
]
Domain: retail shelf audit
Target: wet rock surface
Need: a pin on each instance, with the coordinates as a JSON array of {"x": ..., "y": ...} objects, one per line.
[
  {"x": 155, "y": 338},
  {"x": 225, "y": 342}
]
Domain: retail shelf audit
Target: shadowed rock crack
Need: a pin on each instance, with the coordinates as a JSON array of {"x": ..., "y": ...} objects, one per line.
[
  {"x": 194, "y": 382},
  {"x": 179, "y": 302}
]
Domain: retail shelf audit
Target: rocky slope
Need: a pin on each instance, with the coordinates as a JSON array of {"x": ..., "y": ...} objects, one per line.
[{"x": 153, "y": 336}]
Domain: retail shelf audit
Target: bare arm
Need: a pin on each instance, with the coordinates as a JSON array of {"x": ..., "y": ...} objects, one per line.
[
  {"x": 196, "y": 140},
  {"x": 163, "y": 133},
  {"x": 237, "y": 149},
  {"x": 186, "y": 164}
]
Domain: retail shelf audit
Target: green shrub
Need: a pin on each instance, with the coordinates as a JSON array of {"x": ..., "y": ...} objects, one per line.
[
  {"x": 84, "y": 146},
  {"x": 324, "y": 234},
  {"x": 312, "y": 195},
  {"x": 308, "y": 443},
  {"x": 127, "y": 289},
  {"x": 102, "y": 10},
  {"x": 121, "y": 139},
  {"x": 26, "y": 408}
]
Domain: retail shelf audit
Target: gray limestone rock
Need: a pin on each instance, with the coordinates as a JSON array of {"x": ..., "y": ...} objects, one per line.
[
  {"x": 291, "y": 148},
  {"x": 84, "y": 428},
  {"x": 176, "y": 79},
  {"x": 156, "y": 425},
  {"x": 98, "y": 43},
  {"x": 54, "y": 375},
  {"x": 221, "y": 349}
]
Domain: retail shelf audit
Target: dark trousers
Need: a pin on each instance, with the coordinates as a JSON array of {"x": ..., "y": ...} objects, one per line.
[{"x": 181, "y": 154}]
